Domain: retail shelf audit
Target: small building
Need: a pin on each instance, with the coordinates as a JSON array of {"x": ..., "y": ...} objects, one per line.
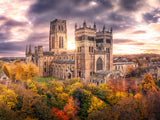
[
  {"x": 102, "y": 76},
  {"x": 154, "y": 71},
  {"x": 122, "y": 66},
  {"x": 4, "y": 80}
]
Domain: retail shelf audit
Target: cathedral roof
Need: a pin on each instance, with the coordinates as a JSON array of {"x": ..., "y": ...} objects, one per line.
[
  {"x": 48, "y": 53},
  {"x": 64, "y": 61}
]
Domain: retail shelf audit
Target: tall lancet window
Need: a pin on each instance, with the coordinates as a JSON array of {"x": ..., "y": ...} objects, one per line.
[
  {"x": 53, "y": 42},
  {"x": 60, "y": 42},
  {"x": 99, "y": 64}
]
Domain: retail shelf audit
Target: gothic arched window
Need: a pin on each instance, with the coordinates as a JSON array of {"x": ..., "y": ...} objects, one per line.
[{"x": 99, "y": 64}]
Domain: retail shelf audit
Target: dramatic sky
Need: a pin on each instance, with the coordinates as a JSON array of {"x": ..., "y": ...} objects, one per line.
[{"x": 136, "y": 23}]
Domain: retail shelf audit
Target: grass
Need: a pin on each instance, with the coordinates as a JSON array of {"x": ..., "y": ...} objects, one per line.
[
  {"x": 45, "y": 80},
  {"x": 133, "y": 77}
]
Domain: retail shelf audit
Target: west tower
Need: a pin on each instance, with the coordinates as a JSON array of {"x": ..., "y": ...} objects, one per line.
[{"x": 58, "y": 36}]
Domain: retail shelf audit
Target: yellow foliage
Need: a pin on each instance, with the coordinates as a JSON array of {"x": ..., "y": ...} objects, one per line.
[
  {"x": 120, "y": 95},
  {"x": 32, "y": 86},
  {"x": 148, "y": 83},
  {"x": 62, "y": 97},
  {"x": 9, "y": 98},
  {"x": 74, "y": 86},
  {"x": 1, "y": 64},
  {"x": 20, "y": 71},
  {"x": 138, "y": 96},
  {"x": 6, "y": 69},
  {"x": 31, "y": 70},
  {"x": 96, "y": 104}
]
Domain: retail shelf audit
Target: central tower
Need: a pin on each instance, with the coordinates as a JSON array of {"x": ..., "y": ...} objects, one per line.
[
  {"x": 58, "y": 36},
  {"x": 85, "y": 45}
]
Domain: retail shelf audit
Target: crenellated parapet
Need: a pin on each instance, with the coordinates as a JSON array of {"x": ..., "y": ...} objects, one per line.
[{"x": 85, "y": 27}]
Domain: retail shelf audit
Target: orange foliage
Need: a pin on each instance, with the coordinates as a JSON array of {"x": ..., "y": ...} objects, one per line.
[
  {"x": 69, "y": 110},
  {"x": 59, "y": 114},
  {"x": 116, "y": 85}
]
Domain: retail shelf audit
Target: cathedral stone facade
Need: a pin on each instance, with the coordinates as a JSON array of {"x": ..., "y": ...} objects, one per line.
[{"x": 93, "y": 52}]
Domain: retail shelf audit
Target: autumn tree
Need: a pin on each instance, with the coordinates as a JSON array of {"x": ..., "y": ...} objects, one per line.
[
  {"x": 69, "y": 111},
  {"x": 8, "y": 97},
  {"x": 1, "y": 64},
  {"x": 20, "y": 71},
  {"x": 130, "y": 71},
  {"x": 147, "y": 84},
  {"x": 71, "y": 108},
  {"x": 84, "y": 99}
]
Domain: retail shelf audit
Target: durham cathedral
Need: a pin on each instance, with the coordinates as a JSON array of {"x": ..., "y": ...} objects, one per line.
[{"x": 93, "y": 52}]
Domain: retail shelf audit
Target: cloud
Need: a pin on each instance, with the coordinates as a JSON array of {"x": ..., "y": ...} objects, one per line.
[
  {"x": 122, "y": 41},
  {"x": 152, "y": 17},
  {"x": 127, "y": 42},
  {"x": 14, "y": 23},
  {"x": 131, "y": 5},
  {"x": 11, "y": 47},
  {"x": 151, "y": 50},
  {"x": 139, "y": 32},
  {"x": 25, "y": 22}
]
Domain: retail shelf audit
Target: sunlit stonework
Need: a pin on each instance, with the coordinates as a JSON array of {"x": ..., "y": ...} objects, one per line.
[{"x": 94, "y": 52}]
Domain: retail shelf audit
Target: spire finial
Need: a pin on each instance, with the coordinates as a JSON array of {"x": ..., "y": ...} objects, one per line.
[
  {"x": 26, "y": 49},
  {"x": 30, "y": 50},
  {"x": 104, "y": 28},
  {"x": 111, "y": 30},
  {"x": 84, "y": 24},
  {"x": 94, "y": 26}
]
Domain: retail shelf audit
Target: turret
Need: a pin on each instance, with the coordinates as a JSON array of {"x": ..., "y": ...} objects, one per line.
[
  {"x": 84, "y": 24},
  {"x": 26, "y": 50},
  {"x": 36, "y": 50},
  {"x": 75, "y": 26},
  {"x": 111, "y": 30},
  {"x": 104, "y": 28},
  {"x": 94, "y": 26},
  {"x": 40, "y": 51},
  {"x": 30, "y": 50}
]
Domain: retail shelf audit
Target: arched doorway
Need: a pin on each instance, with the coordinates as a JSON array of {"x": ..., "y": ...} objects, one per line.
[
  {"x": 69, "y": 75},
  {"x": 99, "y": 64}
]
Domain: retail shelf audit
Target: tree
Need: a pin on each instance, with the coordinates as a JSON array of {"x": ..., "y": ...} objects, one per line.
[
  {"x": 7, "y": 114},
  {"x": 147, "y": 84},
  {"x": 71, "y": 108},
  {"x": 69, "y": 111},
  {"x": 130, "y": 70},
  {"x": 7, "y": 70},
  {"x": 59, "y": 114},
  {"x": 97, "y": 104},
  {"x": 1, "y": 64},
  {"x": 20, "y": 71},
  {"x": 84, "y": 99},
  {"x": 30, "y": 71},
  {"x": 8, "y": 97}
]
